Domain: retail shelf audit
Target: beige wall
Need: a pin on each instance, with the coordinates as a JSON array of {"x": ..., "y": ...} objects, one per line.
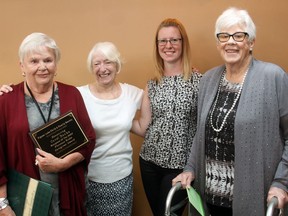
[{"x": 76, "y": 25}]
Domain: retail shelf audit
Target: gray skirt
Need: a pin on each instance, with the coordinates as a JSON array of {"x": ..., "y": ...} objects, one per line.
[{"x": 108, "y": 199}]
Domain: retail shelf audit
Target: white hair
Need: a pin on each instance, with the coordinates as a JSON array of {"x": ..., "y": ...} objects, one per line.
[
  {"x": 109, "y": 50},
  {"x": 35, "y": 42},
  {"x": 235, "y": 16}
]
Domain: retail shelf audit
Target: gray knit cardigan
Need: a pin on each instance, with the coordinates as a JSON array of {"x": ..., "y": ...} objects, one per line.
[{"x": 260, "y": 138}]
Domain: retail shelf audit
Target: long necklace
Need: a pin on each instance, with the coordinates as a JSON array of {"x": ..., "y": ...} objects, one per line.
[
  {"x": 38, "y": 107},
  {"x": 233, "y": 105}
]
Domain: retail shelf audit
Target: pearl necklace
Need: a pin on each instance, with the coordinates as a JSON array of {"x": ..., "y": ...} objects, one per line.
[{"x": 233, "y": 105}]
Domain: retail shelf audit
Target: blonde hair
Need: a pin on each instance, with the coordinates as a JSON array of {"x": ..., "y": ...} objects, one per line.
[{"x": 186, "y": 52}]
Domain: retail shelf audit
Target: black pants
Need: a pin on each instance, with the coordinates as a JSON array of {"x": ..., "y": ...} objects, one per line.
[
  {"x": 219, "y": 211},
  {"x": 157, "y": 182}
]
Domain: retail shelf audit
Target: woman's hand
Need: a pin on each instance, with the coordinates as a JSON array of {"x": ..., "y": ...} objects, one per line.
[
  {"x": 5, "y": 89},
  {"x": 185, "y": 178},
  {"x": 7, "y": 212},
  {"x": 48, "y": 162},
  {"x": 280, "y": 194}
]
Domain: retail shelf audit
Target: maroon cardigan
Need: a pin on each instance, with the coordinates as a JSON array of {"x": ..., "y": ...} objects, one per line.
[{"x": 17, "y": 150}]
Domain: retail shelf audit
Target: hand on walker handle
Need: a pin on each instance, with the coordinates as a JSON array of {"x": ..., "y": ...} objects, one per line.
[
  {"x": 281, "y": 195},
  {"x": 185, "y": 178}
]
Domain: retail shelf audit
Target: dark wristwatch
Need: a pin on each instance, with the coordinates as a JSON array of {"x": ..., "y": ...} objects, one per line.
[{"x": 3, "y": 203}]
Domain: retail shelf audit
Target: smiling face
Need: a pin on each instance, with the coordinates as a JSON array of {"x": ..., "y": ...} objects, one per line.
[
  {"x": 232, "y": 52},
  {"x": 170, "y": 53},
  {"x": 39, "y": 67},
  {"x": 104, "y": 70}
]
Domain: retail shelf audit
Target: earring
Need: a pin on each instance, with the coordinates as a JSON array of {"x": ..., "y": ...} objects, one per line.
[{"x": 23, "y": 74}]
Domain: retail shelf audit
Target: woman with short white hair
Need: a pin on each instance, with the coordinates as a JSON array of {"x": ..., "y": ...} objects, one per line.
[{"x": 239, "y": 156}]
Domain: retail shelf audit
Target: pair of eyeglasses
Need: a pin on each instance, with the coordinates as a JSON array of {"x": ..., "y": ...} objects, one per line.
[
  {"x": 173, "y": 41},
  {"x": 237, "y": 36}
]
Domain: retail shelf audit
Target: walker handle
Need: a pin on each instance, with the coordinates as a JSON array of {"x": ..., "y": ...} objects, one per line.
[
  {"x": 271, "y": 206},
  {"x": 170, "y": 195}
]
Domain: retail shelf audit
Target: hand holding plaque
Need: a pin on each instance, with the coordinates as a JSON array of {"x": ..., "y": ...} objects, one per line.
[{"x": 60, "y": 137}]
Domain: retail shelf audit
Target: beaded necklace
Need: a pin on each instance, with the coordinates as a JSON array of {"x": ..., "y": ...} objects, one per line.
[{"x": 233, "y": 105}]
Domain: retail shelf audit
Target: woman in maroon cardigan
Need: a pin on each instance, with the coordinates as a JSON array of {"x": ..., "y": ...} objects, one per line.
[{"x": 31, "y": 104}]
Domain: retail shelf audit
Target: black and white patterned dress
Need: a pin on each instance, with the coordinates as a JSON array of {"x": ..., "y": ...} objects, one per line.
[{"x": 173, "y": 103}]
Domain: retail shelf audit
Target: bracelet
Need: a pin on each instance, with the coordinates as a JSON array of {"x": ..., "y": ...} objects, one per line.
[{"x": 3, "y": 203}]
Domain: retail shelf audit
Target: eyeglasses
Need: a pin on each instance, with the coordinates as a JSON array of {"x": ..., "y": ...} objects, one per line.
[
  {"x": 173, "y": 41},
  {"x": 237, "y": 36}
]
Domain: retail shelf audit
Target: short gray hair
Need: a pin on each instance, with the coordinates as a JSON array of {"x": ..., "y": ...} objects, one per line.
[
  {"x": 35, "y": 42},
  {"x": 109, "y": 50},
  {"x": 235, "y": 16}
]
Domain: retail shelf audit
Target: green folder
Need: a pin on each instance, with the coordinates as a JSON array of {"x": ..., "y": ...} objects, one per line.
[
  {"x": 195, "y": 200},
  {"x": 28, "y": 196}
]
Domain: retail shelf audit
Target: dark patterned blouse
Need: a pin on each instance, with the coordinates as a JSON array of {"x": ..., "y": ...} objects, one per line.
[
  {"x": 168, "y": 138},
  {"x": 219, "y": 147}
]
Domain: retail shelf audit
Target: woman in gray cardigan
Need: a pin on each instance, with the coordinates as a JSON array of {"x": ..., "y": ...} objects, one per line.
[{"x": 239, "y": 157}]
